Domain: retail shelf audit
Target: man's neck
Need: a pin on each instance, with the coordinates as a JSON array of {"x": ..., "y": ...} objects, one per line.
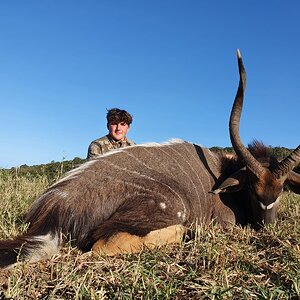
[{"x": 116, "y": 141}]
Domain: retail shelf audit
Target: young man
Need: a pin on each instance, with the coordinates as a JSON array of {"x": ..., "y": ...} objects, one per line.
[{"x": 118, "y": 124}]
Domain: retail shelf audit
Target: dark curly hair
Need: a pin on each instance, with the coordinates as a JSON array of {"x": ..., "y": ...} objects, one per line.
[{"x": 116, "y": 115}]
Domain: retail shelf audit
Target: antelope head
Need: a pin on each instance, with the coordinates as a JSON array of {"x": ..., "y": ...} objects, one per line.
[{"x": 264, "y": 181}]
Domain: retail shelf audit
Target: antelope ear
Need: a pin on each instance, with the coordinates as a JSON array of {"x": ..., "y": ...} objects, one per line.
[
  {"x": 293, "y": 181},
  {"x": 233, "y": 183}
]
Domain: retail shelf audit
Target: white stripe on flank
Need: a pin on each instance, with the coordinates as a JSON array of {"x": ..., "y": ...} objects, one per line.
[
  {"x": 54, "y": 192},
  {"x": 178, "y": 141},
  {"x": 161, "y": 149},
  {"x": 144, "y": 176},
  {"x": 61, "y": 194},
  {"x": 200, "y": 163},
  {"x": 191, "y": 168},
  {"x": 170, "y": 188},
  {"x": 135, "y": 185},
  {"x": 75, "y": 172}
]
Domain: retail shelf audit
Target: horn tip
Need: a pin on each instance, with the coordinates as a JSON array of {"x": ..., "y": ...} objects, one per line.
[{"x": 239, "y": 54}]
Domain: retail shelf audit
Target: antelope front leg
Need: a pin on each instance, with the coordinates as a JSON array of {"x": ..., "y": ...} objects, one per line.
[{"x": 124, "y": 242}]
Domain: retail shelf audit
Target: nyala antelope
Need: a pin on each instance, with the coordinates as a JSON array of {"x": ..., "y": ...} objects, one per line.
[{"x": 146, "y": 195}]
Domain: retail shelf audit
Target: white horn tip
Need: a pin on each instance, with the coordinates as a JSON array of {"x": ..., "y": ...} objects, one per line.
[{"x": 239, "y": 54}]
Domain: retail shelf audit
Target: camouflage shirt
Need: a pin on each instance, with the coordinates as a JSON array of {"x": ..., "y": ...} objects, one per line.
[{"x": 105, "y": 144}]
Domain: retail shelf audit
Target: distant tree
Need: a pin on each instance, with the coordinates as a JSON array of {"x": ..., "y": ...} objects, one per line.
[
  {"x": 280, "y": 152},
  {"x": 216, "y": 149}
]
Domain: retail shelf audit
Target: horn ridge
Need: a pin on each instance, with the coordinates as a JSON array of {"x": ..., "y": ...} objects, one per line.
[
  {"x": 287, "y": 164},
  {"x": 251, "y": 163}
]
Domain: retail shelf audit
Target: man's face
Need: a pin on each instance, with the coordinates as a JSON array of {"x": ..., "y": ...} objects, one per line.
[{"x": 118, "y": 130}]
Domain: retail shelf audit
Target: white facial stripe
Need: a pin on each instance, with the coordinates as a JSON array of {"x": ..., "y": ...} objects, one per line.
[{"x": 263, "y": 207}]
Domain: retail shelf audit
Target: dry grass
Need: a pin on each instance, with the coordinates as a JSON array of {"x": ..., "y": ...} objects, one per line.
[{"x": 219, "y": 264}]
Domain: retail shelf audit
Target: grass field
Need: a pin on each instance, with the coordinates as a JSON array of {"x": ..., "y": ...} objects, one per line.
[{"x": 236, "y": 263}]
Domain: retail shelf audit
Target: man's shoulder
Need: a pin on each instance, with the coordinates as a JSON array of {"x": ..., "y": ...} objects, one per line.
[{"x": 102, "y": 140}]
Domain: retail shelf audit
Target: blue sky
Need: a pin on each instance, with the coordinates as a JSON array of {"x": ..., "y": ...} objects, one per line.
[{"x": 171, "y": 64}]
